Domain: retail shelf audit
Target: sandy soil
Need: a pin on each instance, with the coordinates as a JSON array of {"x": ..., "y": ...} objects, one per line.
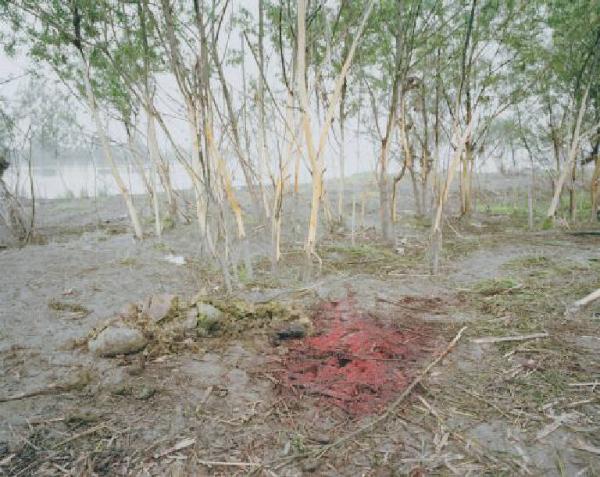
[{"x": 220, "y": 401}]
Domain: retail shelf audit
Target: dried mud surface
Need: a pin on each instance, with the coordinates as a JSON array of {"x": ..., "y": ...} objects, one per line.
[{"x": 223, "y": 407}]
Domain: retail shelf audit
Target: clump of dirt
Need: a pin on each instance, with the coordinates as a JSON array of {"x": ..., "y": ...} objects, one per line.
[{"x": 354, "y": 361}]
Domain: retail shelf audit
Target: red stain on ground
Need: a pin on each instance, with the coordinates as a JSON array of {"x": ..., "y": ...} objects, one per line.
[{"x": 353, "y": 361}]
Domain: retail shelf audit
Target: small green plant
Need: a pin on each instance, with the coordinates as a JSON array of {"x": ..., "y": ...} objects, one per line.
[
  {"x": 243, "y": 275},
  {"x": 495, "y": 286},
  {"x": 168, "y": 223},
  {"x": 162, "y": 247},
  {"x": 128, "y": 261},
  {"x": 60, "y": 306},
  {"x": 298, "y": 444},
  {"x": 548, "y": 223},
  {"x": 536, "y": 261}
]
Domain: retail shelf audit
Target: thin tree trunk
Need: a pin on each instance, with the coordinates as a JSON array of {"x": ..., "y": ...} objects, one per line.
[
  {"x": 530, "y": 205},
  {"x": 466, "y": 179},
  {"x": 161, "y": 165},
  {"x": 137, "y": 227},
  {"x": 425, "y": 157},
  {"x": 12, "y": 213},
  {"x": 262, "y": 134},
  {"x": 415, "y": 188},
  {"x": 297, "y": 175},
  {"x": 155, "y": 160},
  {"x": 149, "y": 182},
  {"x": 353, "y": 218},
  {"x": 595, "y": 189},
  {"x": 363, "y": 200},
  {"x": 316, "y": 155},
  {"x": 385, "y": 211},
  {"x": 289, "y": 131},
  {"x": 342, "y": 179},
  {"x": 572, "y": 196},
  {"x": 408, "y": 158},
  {"x": 567, "y": 168},
  {"x": 436, "y": 227},
  {"x": 30, "y": 230},
  {"x": 231, "y": 198},
  {"x": 137, "y": 162},
  {"x": 195, "y": 175},
  {"x": 384, "y": 207},
  {"x": 148, "y": 99}
]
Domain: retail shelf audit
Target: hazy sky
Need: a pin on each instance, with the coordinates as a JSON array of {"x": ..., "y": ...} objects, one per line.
[{"x": 169, "y": 102}]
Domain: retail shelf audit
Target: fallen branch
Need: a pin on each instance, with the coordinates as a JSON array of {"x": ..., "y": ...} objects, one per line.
[
  {"x": 227, "y": 464},
  {"x": 502, "y": 339},
  {"x": 177, "y": 447},
  {"x": 87, "y": 432},
  {"x": 584, "y": 446},
  {"x": 394, "y": 406},
  {"x": 581, "y": 385},
  {"x": 52, "y": 389},
  {"x": 554, "y": 425},
  {"x": 586, "y": 300}
]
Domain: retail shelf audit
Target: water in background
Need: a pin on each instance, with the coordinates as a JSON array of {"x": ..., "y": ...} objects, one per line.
[
  {"x": 83, "y": 180},
  {"x": 92, "y": 178}
]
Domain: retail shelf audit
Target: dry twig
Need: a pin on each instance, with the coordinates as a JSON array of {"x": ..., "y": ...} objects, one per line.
[
  {"x": 586, "y": 300},
  {"x": 502, "y": 339}
]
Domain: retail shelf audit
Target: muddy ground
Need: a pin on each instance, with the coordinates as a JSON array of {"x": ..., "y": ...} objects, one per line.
[{"x": 217, "y": 406}]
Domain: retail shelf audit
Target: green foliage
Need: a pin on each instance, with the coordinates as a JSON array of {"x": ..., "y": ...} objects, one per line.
[
  {"x": 495, "y": 286},
  {"x": 115, "y": 39}
]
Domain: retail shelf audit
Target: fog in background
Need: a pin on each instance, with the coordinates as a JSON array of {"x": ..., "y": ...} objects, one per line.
[{"x": 76, "y": 167}]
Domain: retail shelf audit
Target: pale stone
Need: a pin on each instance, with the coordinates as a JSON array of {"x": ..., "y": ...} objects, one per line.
[
  {"x": 113, "y": 341},
  {"x": 160, "y": 307}
]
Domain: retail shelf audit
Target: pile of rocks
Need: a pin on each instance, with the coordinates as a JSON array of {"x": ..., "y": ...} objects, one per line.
[
  {"x": 159, "y": 316},
  {"x": 168, "y": 320}
]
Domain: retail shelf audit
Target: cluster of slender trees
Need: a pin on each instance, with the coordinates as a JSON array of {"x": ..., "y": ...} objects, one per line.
[{"x": 436, "y": 86}]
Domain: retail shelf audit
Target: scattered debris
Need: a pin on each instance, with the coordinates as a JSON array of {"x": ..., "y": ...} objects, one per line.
[
  {"x": 174, "y": 259},
  {"x": 183, "y": 444},
  {"x": 584, "y": 446},
  {"x": 76, "y": 382},
  {"x": 6, "y": 460},
  {"x": 555, "y": 424},
  {"x": 76, "y": 309},
  {"x": 116, "y": 340},
  {"x": 311, "y": 465},
  {"x": 292, "y": 331},
  {"x": 87, "y": 432}
]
